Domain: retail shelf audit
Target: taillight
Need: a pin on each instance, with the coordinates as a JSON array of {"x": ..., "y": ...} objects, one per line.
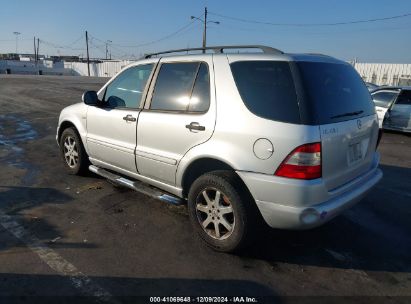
[{"x": 302, "y": 163}]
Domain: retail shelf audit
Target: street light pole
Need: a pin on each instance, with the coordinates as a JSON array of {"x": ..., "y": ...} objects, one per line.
[
  {"x": 205, "y": 22},
  {"x": 17, "y": 40}
]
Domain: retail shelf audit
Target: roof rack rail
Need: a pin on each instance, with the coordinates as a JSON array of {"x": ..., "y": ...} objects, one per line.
[
  {"x": 220, "y": 49},
  {"x": 318, "y": 54}
]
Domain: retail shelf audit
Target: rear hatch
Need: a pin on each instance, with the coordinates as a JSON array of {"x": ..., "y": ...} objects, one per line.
[{"x": 335, "y": 97}]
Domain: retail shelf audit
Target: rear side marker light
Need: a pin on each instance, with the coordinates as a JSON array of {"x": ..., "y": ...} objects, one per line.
[{"x": 304, "y": 162}]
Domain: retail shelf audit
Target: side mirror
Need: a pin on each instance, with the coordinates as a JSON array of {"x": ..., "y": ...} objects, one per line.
[{"x": 90, "y": 98}]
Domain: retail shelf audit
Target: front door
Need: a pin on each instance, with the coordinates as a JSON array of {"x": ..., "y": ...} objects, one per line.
[
  {"x": 383, "y": 100},
  {"x": 112, "y": 127},
  {"x": 179, "y": 114}
]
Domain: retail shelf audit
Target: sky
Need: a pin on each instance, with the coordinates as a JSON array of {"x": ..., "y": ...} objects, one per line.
[{"x": 136, "y": 27}]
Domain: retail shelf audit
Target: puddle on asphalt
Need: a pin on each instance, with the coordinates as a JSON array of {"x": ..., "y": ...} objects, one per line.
[{"x": 14, "y": 132}]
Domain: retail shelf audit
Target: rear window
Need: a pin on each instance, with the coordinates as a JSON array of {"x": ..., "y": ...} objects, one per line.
[
  {"x": 335, "y": 92},
  {"x": 267, "y": 89}
]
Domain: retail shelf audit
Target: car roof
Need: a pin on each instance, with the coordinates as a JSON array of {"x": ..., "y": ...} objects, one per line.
[
  {"x": 232, "y": 57},
  {"x": 266, "y": 53}
]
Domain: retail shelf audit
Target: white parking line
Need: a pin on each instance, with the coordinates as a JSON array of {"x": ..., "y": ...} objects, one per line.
[{"x": 55, "y": 261}]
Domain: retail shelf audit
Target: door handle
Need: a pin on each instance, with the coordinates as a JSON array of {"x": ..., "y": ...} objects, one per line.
[
  {"x": 129, "y": 118},
  {"x": 195, "y": 126}
]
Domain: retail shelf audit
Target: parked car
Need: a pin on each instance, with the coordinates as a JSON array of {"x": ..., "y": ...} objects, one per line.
[
  {"x": 244, "y": 138},
  {"x": 371, "y": 86},
  {"x": 393, "y": 106}
]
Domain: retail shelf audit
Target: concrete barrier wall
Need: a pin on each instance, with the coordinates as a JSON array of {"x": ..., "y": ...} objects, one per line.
[
  {"x": 104, "y": 69},
  {"x": 31, "y": 68},
  {"x": 384, "y": 73},
  {"x": 378, "y": 73}
]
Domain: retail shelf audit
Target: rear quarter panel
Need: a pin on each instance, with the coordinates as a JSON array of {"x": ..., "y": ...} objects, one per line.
[{"x": 237, "y": 129}]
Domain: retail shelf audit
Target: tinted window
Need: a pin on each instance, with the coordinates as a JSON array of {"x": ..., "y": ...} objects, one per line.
[
  {"x": 200, "y": 98},
  {"x": 334, "y": 91},
  {"x": 383, "y": 99},
  {"x": 267, "y": 89},
  {"x": 404, "y": 98},
  {"x": 127, "y": 89},
  {"x": 174, "y": 86}
]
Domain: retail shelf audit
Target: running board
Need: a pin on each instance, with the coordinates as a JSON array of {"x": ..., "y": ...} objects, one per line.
[{"x": 137, "y": 186}]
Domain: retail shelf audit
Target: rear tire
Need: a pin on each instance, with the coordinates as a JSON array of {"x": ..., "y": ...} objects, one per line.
[
  {"x": 73, "y": 153},
  {"x": 222, "y": 212}
]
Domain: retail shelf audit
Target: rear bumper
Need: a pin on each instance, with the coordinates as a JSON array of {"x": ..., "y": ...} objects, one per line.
[{"x": 297, "y": 216}]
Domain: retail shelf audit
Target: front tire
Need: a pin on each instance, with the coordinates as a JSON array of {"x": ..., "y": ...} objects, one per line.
[
  {"x": 221, "y": 211},
  {"x": 73, "y": 152}
]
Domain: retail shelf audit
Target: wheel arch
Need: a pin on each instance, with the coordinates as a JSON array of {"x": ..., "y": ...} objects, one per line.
[
  {"x": 78, "y": 127},
  {"x": 64, "y": 125},
  {"x": 202, "y": 166}
]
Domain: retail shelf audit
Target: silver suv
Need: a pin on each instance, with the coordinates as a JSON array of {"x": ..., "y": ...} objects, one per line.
[{"x": 245, "y": 138}]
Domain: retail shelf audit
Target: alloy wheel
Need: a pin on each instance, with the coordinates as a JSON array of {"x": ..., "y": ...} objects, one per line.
[{"x": 215, "y": 213}]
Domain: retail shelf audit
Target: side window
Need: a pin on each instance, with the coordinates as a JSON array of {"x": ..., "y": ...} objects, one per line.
[
  {"x": 267, "y": 89},
  {"x": 182, "y": 87},
  {"x": 383, "y": 99},
  {"x": 404, "y": 98},
  {"x": 127, "y": 89}
]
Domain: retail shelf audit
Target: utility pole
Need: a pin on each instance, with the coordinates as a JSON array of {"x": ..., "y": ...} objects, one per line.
[
  {"x": 17, "y": 40},
  {"x": 38, "y": 47},
  {"x": 88, "y": 57},
  {"x": 35, "y": 51},
  {"x": 205, "y": 30},
  {"x": 107, "y": 43},
  {"x": 205, "y": 22}
]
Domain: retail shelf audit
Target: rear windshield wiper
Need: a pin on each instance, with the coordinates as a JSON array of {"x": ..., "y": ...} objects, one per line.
[{"x": 347, "y": 114}]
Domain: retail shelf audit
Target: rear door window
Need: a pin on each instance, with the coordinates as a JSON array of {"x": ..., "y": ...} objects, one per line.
[
  {"x": 182, "y": 87},
  {"x": 384, "y": 98},
  {"x": 267, "y": 89},
  {"x": 200, "y": 98},
  {"x": 334, "y": 91}
]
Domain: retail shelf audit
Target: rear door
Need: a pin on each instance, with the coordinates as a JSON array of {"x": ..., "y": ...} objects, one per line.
[
  {"x": 399, "y": 116},
  {"x": 179, "y": 114},
  {"x": 342, "y": 106}
]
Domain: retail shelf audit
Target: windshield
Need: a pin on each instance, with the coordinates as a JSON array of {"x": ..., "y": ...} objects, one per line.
[{"x": 334, "y": 92}]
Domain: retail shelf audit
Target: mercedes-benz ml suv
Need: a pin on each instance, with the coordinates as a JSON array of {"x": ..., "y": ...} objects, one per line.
[{"x": 244, "y": 138}]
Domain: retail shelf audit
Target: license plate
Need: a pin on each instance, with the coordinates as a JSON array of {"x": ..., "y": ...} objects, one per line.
[{"x": 355, "y": 152}]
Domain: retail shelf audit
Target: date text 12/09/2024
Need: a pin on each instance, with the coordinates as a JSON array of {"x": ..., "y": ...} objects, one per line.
[{"x": 203, "y": 300}]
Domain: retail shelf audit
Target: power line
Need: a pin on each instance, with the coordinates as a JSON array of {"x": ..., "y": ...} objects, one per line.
[
  {"x": 57, "y": 46},
  {"x": 185, "y": 27},
  {"x": 310, "y": 24},
  {"x": 102, "y": 47},
  {"x": 77, "y": 40}
]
